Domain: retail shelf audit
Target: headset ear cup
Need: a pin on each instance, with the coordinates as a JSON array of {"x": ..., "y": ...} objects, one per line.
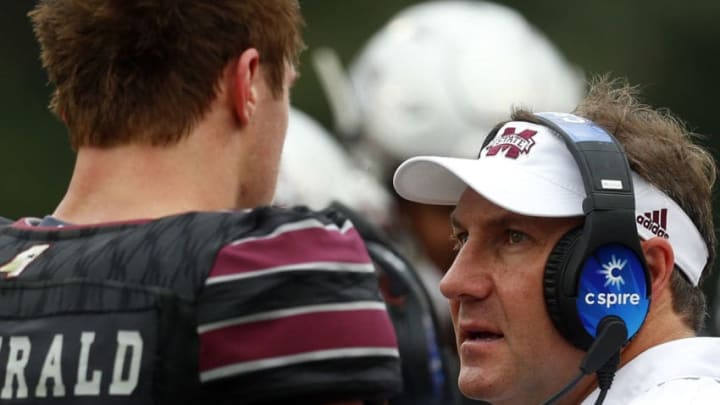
[{"x": 555, "y": 270}]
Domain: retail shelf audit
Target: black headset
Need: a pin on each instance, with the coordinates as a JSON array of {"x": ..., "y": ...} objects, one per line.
[
  {"x": 605, "y": 249},
  {"x": 608, "y": 241},
  {"x": 596, "y": 282}
]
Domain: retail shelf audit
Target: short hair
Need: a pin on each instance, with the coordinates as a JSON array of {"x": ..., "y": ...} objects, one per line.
[
  {"x": 660, "y": 149},
  {"x": 147, "y": 70}
]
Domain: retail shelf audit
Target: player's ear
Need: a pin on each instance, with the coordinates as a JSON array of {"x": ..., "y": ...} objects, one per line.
[
  {"x": 660, "y": 260},
  {"x": 244, "y": 95}
]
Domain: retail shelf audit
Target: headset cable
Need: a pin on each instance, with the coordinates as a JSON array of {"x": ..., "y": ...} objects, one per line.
[{"x": 603, "y": 357}]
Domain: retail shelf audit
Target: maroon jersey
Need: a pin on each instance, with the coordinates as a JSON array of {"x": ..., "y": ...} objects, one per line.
[{"x": 245, "y": 307}]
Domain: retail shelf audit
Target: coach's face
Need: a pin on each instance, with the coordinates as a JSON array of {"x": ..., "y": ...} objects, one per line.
[{"x": 510, "y": 352}]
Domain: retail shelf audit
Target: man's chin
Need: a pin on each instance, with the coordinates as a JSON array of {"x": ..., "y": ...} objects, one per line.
[{"x": 478, "y": 383}]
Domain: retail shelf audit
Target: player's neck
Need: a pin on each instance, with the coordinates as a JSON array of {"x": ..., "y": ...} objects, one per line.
[{"x": 139, "y": 182}]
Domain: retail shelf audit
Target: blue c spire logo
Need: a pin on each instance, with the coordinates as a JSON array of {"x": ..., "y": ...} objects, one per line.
[
  {"x": 612, "y": 282},
  {"x": 612, "y": 270}
]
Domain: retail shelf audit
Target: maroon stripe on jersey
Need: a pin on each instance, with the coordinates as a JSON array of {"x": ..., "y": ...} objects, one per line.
[
  {"x": 316, "y": 244},
  {"x": 295, "y": 335}
]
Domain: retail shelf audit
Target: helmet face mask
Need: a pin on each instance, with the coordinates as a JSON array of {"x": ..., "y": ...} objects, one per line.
[{"x": 439, "y": 75}]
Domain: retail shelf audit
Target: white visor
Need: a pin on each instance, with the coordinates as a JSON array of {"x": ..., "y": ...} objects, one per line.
[{"x": 528, "y": 170}]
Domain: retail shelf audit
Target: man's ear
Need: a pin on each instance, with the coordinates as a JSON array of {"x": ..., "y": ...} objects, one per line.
[
  {"x": 660, "y": 260},
  {"x": 243, "y": 92}
]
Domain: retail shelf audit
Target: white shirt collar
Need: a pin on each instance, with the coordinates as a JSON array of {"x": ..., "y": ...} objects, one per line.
[{"x": 690, "y": 357}]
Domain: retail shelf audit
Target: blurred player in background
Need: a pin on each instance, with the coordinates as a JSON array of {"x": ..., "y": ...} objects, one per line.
[
  {"x": 315, "y": 170},
  {"x": 434, "y": 80}
]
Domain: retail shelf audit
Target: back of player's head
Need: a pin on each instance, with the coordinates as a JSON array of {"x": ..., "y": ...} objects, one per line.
[{"x": 145, "y": 70}]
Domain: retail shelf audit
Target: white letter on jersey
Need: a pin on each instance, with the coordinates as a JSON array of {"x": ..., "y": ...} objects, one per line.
[
  {"x": 51, "y": 369},
  {"x": 125, "y": 340},
  {"x": 85, "y": 386},
  {"x": 15, "y": 369}
]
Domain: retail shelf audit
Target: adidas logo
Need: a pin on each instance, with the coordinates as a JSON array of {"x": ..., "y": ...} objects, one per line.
[{"x": 655, "y": 221}]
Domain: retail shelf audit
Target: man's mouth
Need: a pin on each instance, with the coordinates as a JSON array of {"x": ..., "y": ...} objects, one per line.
[{"x": 482, "y": 335}]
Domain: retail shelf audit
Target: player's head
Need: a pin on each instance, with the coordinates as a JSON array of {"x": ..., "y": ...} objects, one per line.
[{"x": 143, "y": 71}]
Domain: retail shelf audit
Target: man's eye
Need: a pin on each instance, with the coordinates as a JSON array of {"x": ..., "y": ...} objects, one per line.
[
  {"x": 515, "y": 237},
  {"x": 459, "y": 239}
]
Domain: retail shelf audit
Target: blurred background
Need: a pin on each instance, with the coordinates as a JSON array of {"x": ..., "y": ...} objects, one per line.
[{"x": 670, "y": 48}]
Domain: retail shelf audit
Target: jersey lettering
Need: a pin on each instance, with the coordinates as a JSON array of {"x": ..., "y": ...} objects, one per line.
[
  {"x": 51, "y": 370},
  {"x": 15, "y": 368},
  {"x": 50, "y": 383}
]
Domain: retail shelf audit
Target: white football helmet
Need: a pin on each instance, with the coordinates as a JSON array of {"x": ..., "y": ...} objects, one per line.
[
  {"x": 315, "y": 170},
  {"x": 440, "y": 74}
]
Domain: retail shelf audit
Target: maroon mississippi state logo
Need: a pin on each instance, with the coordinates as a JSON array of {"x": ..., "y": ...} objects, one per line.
[{"x": 511, "y": 143}]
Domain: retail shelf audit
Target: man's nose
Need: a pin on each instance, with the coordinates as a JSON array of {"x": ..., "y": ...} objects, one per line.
[{"x": 466, "y": 278}]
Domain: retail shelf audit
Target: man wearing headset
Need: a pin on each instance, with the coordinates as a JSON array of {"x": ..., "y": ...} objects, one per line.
[{"x": 550, "y": 282}]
